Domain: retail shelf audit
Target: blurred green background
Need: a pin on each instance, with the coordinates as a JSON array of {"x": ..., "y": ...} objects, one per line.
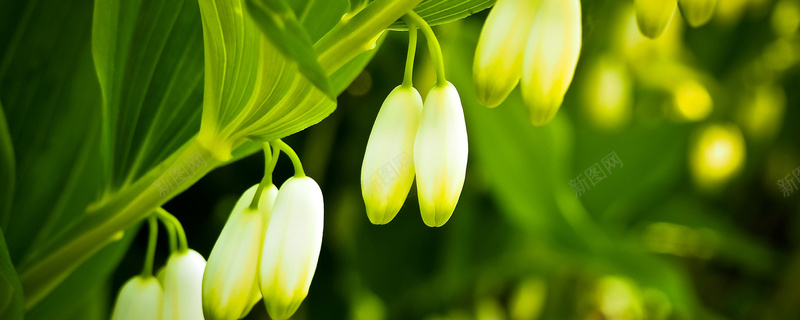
[{"x": 650, "y": 241}]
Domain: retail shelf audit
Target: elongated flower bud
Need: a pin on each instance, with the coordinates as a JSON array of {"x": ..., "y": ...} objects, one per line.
[
  {"x": 230, "y": 280},
  {"x": 183, "y": 286},
  {"x": 440, "y": 155},
  {"x": 697, "y": 12},
  {"x": 291, "y": 246},
  {"x": 551, "y": 56},
  {"x": 388, "y": 171},
  {"x": 653, "y": 16},
  {"x": 141, "y": 298},
  {"x": 501, "y": 47}
]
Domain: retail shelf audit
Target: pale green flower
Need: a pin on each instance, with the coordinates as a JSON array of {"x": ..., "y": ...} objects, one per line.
[
  {"x": 230, "y": 283},
  {"x": 183, "y": 282},
  {"x": 653, "y": 16},
  {"x": 554, "y": 45},
  {"x": 141, "y": 298},
  {"x": 697, "y": 12},
  {"x": 440, "y": 155},
  {"x": 388, "y": 169},
  {"x": 291, "y": 246},
  {"x": 501, "y": 47}
]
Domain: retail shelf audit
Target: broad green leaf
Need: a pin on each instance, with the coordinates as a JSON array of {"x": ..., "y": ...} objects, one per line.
[
  {"x": 54, "y": 134},
  {"x": 148, "y": 56},
  {"x": 7, "y": 171},
  {"x": 11, "y": 305},
  {"x": 279, "y": 23},
  {"x": 252, "y": 91},
  {"x": 437, "y": 12}
]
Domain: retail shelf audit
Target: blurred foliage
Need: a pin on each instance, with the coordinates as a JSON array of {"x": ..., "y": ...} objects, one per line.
[{"x": 646, "y": 242}]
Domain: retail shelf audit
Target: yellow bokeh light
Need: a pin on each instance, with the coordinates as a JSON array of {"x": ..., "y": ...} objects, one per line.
[
  {"x": 607, "y": 95},
  {"x": 786, "y": 18},
  {"x": 761, "y": 117},
  {"x": 692, "y": 101},
  {"x": 717, "y": 154}
]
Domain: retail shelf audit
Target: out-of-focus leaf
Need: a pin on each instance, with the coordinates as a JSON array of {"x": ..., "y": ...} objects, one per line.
[
  {"x": 11, "y": 305},
  {"x": 279, "y": 23},
  {"x": 149, "y": 61},
  {"x": 71, "y": 298},
  {"x": 7, "y": 167},
  {"x": 437, "y": 12}
]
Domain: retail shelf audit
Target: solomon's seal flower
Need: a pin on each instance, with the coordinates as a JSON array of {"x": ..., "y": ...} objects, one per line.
[
  {"x": 388, "y": 170},
  {"x": 653, "y": 16},
  {"x": 554, "y": 45},
  {"x": 230, "y": 282},
  {"x": 182, "y": 286},
  {"x": 697, "y": 12},
  {"x": 291, "y": 246},
  {"x": 498, "y": 58},
  {"x": 440, "y": 154},
  {"x": 141, "y": 298}
]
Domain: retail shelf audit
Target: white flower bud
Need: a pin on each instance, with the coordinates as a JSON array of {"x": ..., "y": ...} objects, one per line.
[
  {"x": 697, "y": 12},
  {"x": 291, "y": 246},
  {"x": 501, "y": 47},
  {"x": 554, "y": 45},
  {"x": 440, "y": 155},
  {"x": 653, "y": 16},
  {"x": 139, "y": 299},
  {"x": 388, "y": 170},
  {"x": 183, "y": 282},
  {"x": 230, "y": 282}
]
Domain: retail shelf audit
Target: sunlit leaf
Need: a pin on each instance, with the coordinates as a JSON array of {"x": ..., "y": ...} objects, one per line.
[
  {"x": 437, "y": 12},
  {"x": 279, "y": 23}
]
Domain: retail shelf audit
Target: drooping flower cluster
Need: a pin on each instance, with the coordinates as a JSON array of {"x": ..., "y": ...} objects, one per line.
[
  {"x": 536, "y": 43},
  {"x": 653, "y": 16},
  {"x": 411, "y": 138},
  {"x": 268, "y": 248}
]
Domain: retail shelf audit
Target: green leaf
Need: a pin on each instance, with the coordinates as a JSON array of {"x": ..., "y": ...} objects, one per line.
[
  {"x": 7, "y": 171},
  {"x": 279, "y": 23},
  {"x": 437, "y": 12},
  {"x": 149, "y": 61},
  {"x": 252, "y": 91},
  {"x": 11, "y": 305}
]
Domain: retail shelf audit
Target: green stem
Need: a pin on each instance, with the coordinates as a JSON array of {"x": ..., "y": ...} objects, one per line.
[
  {"x": 165, "y": 216},
  {"x": 350, "y": 37},
  {"x": 147, "y": 270},
  {"x": 412, "y": 49},
  {"x": 270, "y": 160},
  {"x": 433, "y": 45},
  {"x": 298, "y": 166},
  {"x": 51, "y": 263},
  {"x": 173, "y": 238}
]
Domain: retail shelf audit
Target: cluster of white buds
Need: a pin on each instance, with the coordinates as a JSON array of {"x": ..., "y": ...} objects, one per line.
[
  {"x": 268, "y": 249},
  {"x": 653, "y": 16},
  {"x": 536, "y": 43},
  {"x": 411, "y": 138}
]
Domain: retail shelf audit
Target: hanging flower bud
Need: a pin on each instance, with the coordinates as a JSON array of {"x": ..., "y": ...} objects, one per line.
[
  {"x": 551, "y": 56},
  {"x": 388, "y": 172},
  {"x": 230, "y": 282},
  {"x": 182, "y": 289},
  {"x": 697, "y": 12},
  {"x": 440, "y": 155},
  {"x": 501, "y": 47},
  {"x": 653, "y": 16},
  {"x": 141, "y": 298},
  {"x": 291, "y": 246}
]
